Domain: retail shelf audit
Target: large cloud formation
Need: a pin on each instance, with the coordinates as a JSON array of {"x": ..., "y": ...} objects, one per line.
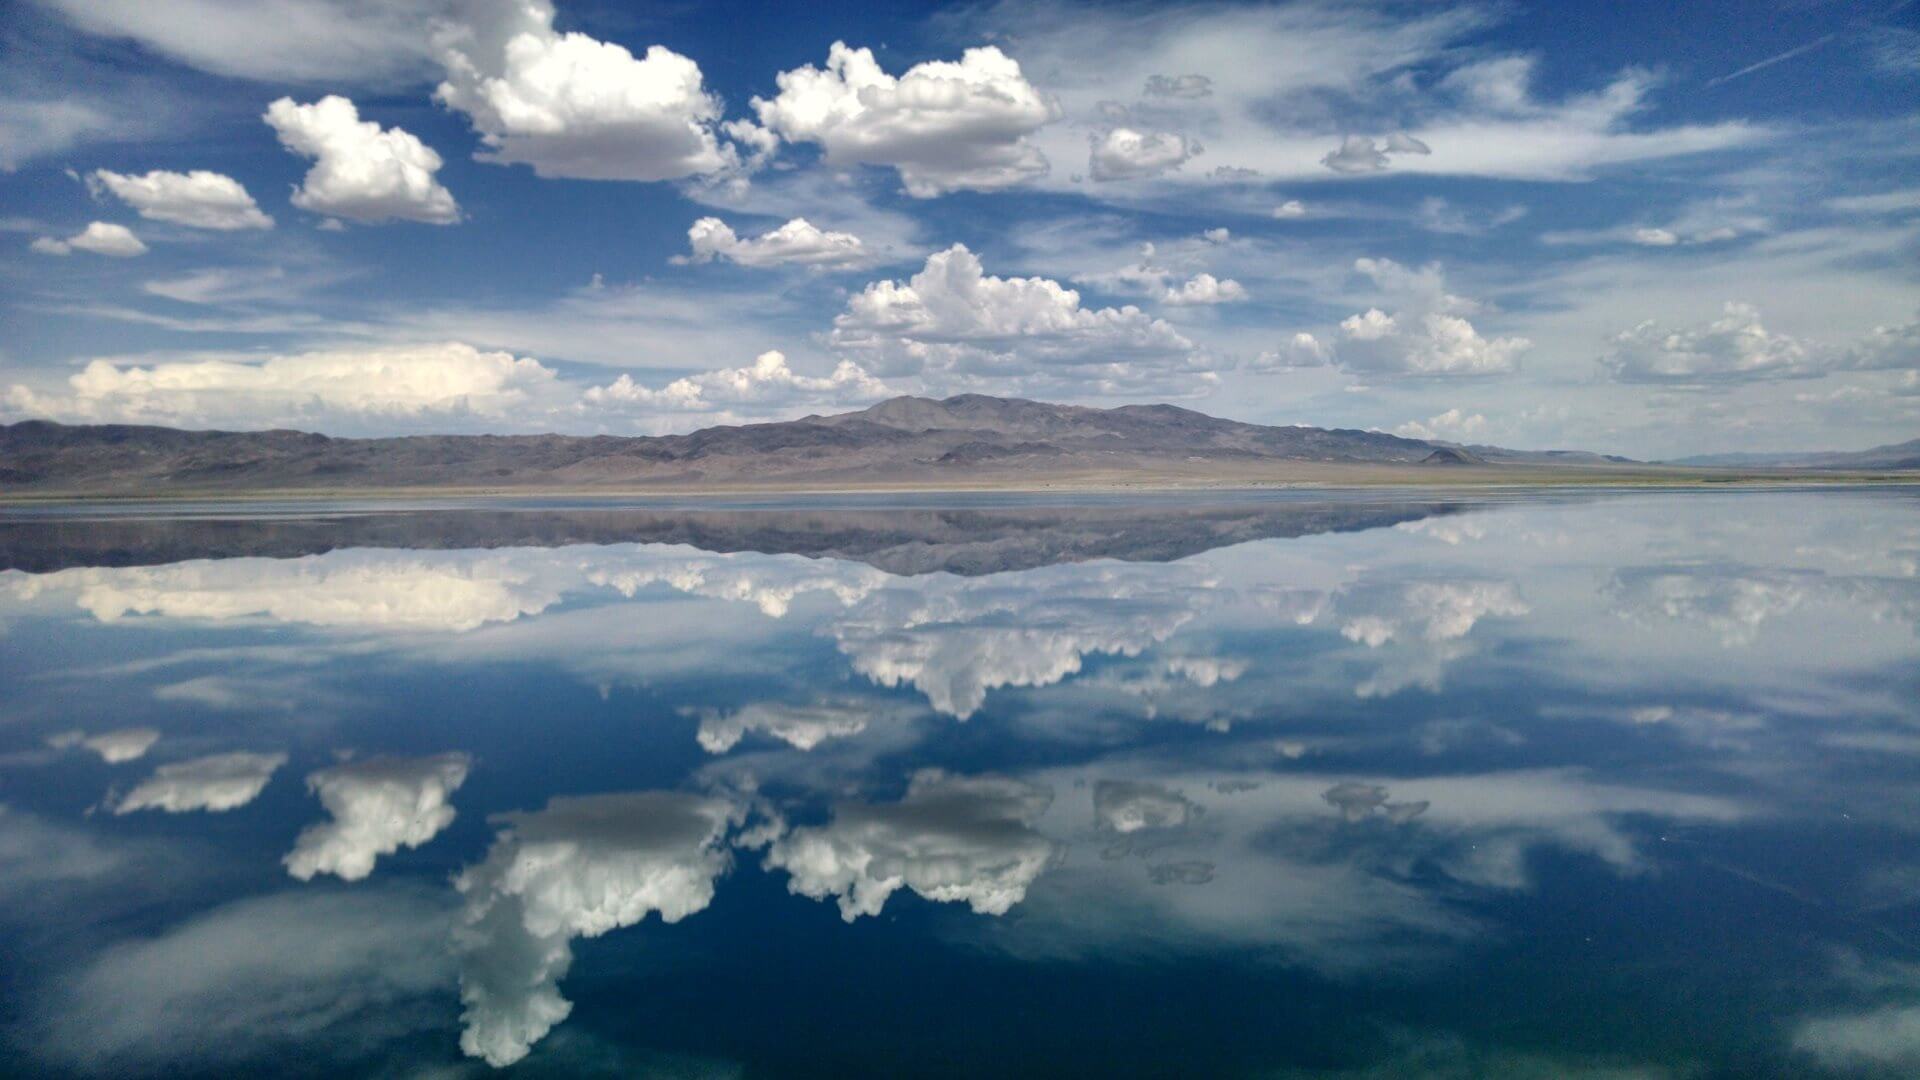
[
  {"x": 945, "y": 125},
  {"x": 379, "y": 806},
  {"x": 360, "y": 171},
  {"x": 953, "y": 320},
  {"x": 428, "y": 381},
  {"x": 579, "y": 868},
  {"x": 199, "y": 199},
  {"x": 217, "y": 783},
  {"x": 570, "y": 105},
  {"x": 954, "y": 839}
]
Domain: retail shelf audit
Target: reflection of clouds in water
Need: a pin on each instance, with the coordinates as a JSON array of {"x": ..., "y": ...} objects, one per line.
[
  {"x": 1880, "y": 1032},
  {"x": 307, "y": 976},
  {"x": 1735, "y": 603},
  {"x": 1341, "y": 890},
  {"x": 1128, "y": 806},
  {"x": 1179, "y": 684},
  {"x": 246, "y": 693},
  {"x": 351, "y": 589},
  {"x": 1440, "y": 611},
  {"x": 802, "y": 726},
  {"x": 1428, "y": 620},
  {"x": 1359, "y": 802},
  {"x": 955, "y": 639},
  {"x": 950, "y": 838},
  {"x": 1486, "y": 826},
  {"x": 216, "y": 783},
  {"x": 1394, "y": 1055},
  {"x": 1206, "y": 671},
  {"x": 1451, "y": 530},
  {"x": 379, "y": 806},
  {"x": 372, "y": 589},
  {"x": 579, "y": 868},
  {"x": 36, "y": 853},
  {"x": 769, "y": 582},
  {"x": 114, "y": 747},
  {"x": 1884, "y": 1038},
  {"x": 1730, "y": 604}
]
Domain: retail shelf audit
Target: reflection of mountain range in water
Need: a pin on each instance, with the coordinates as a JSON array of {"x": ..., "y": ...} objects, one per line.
[{"x": 912, "y": 540}]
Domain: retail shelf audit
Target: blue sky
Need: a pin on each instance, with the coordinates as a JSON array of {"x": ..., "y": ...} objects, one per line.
[{"x": 1624, "y": 227}]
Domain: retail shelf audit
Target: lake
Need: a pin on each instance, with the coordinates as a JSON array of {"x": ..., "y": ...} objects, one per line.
[{"x": 1300, "y": 784}]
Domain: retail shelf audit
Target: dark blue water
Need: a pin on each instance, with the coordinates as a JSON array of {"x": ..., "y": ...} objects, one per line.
[{"x": 1305, "y": 785}]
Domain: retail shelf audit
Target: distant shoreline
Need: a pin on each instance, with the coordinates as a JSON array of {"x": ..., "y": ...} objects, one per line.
[{"x": 1362, "y": 478}]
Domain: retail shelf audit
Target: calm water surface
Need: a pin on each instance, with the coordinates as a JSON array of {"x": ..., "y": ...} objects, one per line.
[{"x": 1303, "y": 785}]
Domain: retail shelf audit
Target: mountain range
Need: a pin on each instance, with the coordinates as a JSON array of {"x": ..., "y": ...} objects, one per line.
[
  {"x": 1904, "y": 455},
  {"x": 966, "y": 441}
]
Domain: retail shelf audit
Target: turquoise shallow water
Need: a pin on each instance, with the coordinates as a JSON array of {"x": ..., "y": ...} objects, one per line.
[{"x": 1576, "y": 784}]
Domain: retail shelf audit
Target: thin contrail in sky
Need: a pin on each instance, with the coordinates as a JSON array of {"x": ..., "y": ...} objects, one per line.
[{"x": 1772, "y": 60}]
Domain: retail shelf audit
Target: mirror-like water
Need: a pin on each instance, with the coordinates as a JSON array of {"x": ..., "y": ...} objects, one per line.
[{"x": 1299, "y": 785}]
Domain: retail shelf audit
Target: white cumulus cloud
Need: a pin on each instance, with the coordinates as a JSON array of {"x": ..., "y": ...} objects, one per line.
[
  {"x": 199, "y": 199},
  {"x": 570, "y": 105},
  {"x": 579, "y": 868},
  {"x": 360, "y": 171},
  {"x": 99, "y": 237},
  {"x": 1735, "y": 347},
  {"x": 1453, "y": 425},
  {"x": 797, "y": 243},
  {"x": 945, "y": 125},
  {"x": 379, "y": 806},
  {"x": 1203, "y": 289},
  {"x": 217, "y": 783},
  {"x": 953, "y": 839},
  {"x": 1126, "y": 154},
  {"x": 767, "y": 384},
  {"x": 1429, "y": 335},
  {"x": 954, "y": 319}
]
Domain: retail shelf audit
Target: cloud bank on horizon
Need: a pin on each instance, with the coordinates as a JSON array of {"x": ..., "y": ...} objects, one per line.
[{"x": 517, "y": 215}]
